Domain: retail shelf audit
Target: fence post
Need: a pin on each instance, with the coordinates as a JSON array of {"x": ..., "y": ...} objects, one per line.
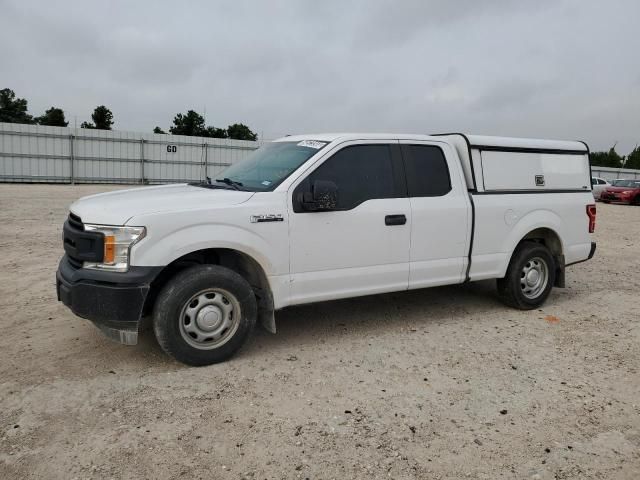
[
  {"x": 142, "y": 161},
  {"x": 206, "y": 162},
  {"x": 71, "y": 158}
]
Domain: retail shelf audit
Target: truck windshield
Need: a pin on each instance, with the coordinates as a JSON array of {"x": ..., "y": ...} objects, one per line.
[{"x": 271, "y": 164}]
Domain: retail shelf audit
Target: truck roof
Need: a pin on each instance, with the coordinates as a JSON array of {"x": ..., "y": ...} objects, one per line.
[
  {"x": 330, "y": 137},
  {"x": 474, "y": 140}
]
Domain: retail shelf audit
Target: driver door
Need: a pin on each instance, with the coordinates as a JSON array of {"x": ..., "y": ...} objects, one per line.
[{"x": 361, "y": 246}]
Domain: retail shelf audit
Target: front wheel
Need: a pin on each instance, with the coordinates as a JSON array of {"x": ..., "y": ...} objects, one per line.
[
  {"x": 530, "y": 277},
  {"x": 204, "y": 314}
]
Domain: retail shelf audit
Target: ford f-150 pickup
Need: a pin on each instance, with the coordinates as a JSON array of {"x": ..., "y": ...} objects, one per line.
[{"x": 320, "y": 217}]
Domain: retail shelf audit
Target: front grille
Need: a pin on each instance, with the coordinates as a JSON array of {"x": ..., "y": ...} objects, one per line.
[
  {"x": 80, "y": 245},
  {"x": 76, "y": 222}
]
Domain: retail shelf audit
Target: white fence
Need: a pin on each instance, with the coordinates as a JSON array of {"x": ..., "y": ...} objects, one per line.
[
  {"x": 612, "y": 173},
  {"x": 31, "y": 153}
]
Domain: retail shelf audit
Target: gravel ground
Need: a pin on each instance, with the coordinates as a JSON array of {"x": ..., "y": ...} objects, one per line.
[{"x": 438, "y": 383}]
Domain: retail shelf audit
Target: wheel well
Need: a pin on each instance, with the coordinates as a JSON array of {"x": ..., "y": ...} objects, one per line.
[
  {"x": 548, "y": 238},
  {"x": 235, "y": 260},
  {"x": 551, "y": 240}
]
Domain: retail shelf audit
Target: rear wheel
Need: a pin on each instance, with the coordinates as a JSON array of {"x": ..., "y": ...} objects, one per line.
[
  {"x": 204, "y": 314},
  {"x": 530, "y": 277}
]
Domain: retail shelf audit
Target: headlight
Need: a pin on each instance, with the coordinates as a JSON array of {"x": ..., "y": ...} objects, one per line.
[
  {"x": 627, "y": 192},
  {"x": 117, "y": 246}
]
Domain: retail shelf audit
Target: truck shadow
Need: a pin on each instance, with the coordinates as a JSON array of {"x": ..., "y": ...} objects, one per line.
[
  {"x": 353, "y": 318},
  {"x": 374, "y": 314}
]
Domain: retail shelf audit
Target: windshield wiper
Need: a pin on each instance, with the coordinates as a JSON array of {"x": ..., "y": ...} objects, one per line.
[
  {"x": 209, "y": 185},
  {"x": 231, "y": 183}
]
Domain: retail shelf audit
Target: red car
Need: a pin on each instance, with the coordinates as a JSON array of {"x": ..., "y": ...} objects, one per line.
[{"x": 622, "y": 191}]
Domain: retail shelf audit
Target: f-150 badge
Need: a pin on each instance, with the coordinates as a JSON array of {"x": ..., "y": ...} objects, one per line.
[{"x": 269, "y": 217}]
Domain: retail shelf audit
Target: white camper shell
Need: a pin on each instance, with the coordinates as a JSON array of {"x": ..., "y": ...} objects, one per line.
[{"x": 505, "y": 164}]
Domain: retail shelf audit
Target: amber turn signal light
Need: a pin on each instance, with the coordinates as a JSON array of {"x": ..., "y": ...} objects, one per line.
[{"x": 109, "y": 249}]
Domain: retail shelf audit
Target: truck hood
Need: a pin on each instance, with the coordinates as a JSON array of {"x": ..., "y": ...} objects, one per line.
[{"x": 116, "y": 208}]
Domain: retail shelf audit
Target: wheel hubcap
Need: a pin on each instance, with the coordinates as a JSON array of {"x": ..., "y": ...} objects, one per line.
[
  {"x": 534, "y": 277},
  {"x": 209, "y": 318}
]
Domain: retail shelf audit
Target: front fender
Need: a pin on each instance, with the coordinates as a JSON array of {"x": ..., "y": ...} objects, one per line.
[{"x": 161, "y": 248}]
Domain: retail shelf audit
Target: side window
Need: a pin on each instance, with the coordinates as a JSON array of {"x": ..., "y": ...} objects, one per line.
[
  {"x": 594, "y": 181},
  {"x": 427, "y": 171},
  {"x": 361, "y": 172},
  {"x": 601, "y": 182}
]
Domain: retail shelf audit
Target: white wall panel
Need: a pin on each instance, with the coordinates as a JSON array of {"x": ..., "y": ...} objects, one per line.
[
  {"x": 32, "y": 153},
  {"x": 609, "y": 173}
]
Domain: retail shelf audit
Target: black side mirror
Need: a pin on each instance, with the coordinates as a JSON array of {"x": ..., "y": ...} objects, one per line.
[{"x": 323, "y": 196}]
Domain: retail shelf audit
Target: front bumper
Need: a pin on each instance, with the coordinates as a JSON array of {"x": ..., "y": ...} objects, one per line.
[
  {"x": 113, "y": 301},
  {"x": 615, "y": 197}
]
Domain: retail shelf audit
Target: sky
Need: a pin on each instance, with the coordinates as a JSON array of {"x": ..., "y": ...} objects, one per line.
[{"x": 566, "y": 69}]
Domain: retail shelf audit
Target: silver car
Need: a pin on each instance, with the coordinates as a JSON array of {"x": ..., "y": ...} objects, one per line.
[{"x": 598, "y": 185}]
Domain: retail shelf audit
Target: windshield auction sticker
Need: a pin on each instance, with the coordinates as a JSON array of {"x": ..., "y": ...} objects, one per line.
[{"x": 312, "y": 144}]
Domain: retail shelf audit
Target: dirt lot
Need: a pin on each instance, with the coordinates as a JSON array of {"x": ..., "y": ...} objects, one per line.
[{"x": 440, "y": 383}]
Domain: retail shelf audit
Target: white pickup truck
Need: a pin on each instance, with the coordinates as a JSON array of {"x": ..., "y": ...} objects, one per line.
[{"x": 319, "y": 217}]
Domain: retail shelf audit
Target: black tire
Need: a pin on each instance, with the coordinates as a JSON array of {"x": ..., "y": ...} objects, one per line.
[
  {"x": 511, "y": 288},
  {"x": 177, "y": 297}
]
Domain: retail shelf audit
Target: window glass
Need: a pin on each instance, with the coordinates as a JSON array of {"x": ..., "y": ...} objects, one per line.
[
  {"x": 265, "y": 168},
  {"x": 427, "y": 171},
  {"x": 594, "y": 181},
  {"x": 361, "y": 172},
  {"x": 601, "y": 182}
]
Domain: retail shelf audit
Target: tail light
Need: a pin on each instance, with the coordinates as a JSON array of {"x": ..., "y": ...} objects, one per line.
[{"x": 591, "y": 213}]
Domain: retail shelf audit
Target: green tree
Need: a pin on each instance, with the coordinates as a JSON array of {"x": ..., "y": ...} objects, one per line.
[
  {"x": 158, "y": 130},
  {"x": 598, "y": 159},
  {"x": 615, "y": 160},
  {"x": 214, "y": 132},
  {"x": 54, "y": 117},
  {"x": 239, "y": 131},
  {"x": 12, "y": 109},
  {"x": 606, "y": 159},
  {"x": 192, "y": 124},
  {"x": 633, "y": 159},
  {"x": 102, "y": 119}
]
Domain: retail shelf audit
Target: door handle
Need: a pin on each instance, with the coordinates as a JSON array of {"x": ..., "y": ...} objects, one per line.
[{"x": 395, "y": 220}]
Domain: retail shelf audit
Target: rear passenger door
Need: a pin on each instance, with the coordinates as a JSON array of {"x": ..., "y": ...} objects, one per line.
[
  {"x": 440, "y": 228},
  {"x": 362, "y": 246}
]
